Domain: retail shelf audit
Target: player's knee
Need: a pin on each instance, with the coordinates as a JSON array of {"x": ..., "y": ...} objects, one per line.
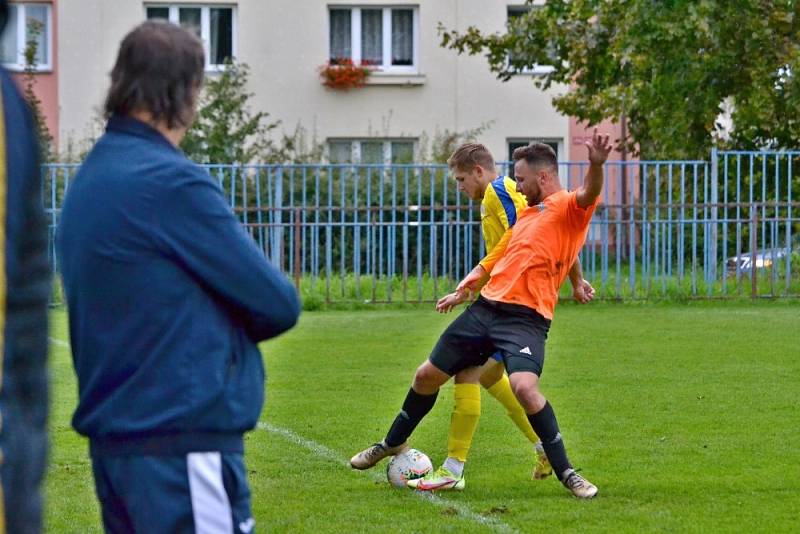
[
  {"x": 470, "y": 375},
  {"x": 528, "y": 395},
  {"x": 428, "y": 378},
  {"x": 491, "y": 376},
  {"x": 535, "y": 403}
]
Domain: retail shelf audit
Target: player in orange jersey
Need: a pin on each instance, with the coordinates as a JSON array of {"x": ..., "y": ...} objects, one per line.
[{"x": 513, "y": 313}]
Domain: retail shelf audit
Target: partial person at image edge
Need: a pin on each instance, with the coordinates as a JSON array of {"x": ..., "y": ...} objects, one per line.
[{"x": 24, "y": 293}]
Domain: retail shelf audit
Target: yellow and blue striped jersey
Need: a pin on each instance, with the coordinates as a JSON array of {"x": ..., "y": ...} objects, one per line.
[{"x": 499, "y": 208}]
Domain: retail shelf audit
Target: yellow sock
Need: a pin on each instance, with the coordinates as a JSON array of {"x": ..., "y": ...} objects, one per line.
[
  {"x": 501, "y": 391},
  {"x": 464, "y": 420}
]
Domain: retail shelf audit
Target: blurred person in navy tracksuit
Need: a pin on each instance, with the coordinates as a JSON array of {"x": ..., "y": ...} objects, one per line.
[
  {"x": 167, "y": 298},
  {"x": 24, "y": 293}
]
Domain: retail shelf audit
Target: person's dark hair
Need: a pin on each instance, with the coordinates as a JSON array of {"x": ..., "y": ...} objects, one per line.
[
  {"x": 159, "y": 70},
  {"x": 537, "y": 155}
]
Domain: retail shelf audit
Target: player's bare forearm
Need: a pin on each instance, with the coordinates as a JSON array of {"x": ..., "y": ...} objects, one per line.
[
  {"x": 575, "y": 273},
  {"x": 474, "y": 280},
  {"x": 488, "y": 262},
  {"x": 478, "y": 277},
  {"x": 592, "y": 186},
  {"x": 599, "y": 148}
]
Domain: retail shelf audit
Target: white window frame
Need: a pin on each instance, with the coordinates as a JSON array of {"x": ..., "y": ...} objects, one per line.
[
  {"x": 355, "y": 147},
  {"x": 355, "y": 37},
  {"x": 22, "y": 37},
  {"x": 536, "y": 70},
  {"x": 205, "y": 27}
]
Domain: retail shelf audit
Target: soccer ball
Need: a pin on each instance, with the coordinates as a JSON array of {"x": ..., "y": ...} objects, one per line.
[{"x": 407, "y": 466}]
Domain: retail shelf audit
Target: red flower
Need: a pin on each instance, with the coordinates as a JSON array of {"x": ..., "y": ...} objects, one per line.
[{"x": 343, "y": 74}]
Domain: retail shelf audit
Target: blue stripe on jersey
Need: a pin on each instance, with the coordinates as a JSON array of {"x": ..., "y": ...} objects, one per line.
[{"x": 499, "y": 186}]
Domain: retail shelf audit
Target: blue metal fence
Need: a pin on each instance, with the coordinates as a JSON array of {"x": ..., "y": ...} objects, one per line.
[{"x": 689, "y": 229}]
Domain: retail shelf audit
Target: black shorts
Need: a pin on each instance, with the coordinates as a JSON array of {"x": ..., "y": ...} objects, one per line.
[{"x": 517, "y": 332}]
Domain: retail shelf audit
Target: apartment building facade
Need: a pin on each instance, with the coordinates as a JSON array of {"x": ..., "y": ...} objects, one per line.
[
  {"x": 35, "y": 20},
  {"x": 417, "y": 89}
]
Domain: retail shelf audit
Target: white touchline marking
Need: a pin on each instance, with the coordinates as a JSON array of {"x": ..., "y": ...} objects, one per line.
[
  {"x": 329, "y": 454},
  {"x": 324, "y": 452},
  {"x": 59, "y": 342}
]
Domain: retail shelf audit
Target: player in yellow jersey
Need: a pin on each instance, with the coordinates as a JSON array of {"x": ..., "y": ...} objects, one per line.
[
  {"x": 514, "y": 311},
  {"x": 473, "y": 169}
]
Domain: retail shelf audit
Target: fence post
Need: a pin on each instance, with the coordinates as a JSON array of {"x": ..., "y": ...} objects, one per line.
[
  {"x": 297, "y": 244},
  {"x": 277, "y": 229},
  {"x": 714, "y": 215},
  {"x": 753, "y": 243}
]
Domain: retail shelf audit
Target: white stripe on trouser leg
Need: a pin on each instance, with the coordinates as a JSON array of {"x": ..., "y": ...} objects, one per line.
[{"x": 210, "y": 505}]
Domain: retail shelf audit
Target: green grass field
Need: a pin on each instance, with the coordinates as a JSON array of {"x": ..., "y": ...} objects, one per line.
[{"x": 685, "y": 416}]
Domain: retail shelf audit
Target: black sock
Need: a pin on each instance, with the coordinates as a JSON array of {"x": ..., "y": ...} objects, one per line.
[
  {"x": 415, "y": 407},
  {"x": 546, "y": 427}
]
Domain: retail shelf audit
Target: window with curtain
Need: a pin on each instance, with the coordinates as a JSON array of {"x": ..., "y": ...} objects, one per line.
[
  {"x": 214, "y": 25},
  {"x": 24, "y": 21},
  {"x": 340, "y": 37},
  {"x": 402, "y": 151},
  {"x": 221, "y": 30},
  {"x": 340, "y": 152},
  {"x": 371, "y": 151},
  {"x": 384, "y": 37},
  {"x": 371, "y": 36},
  {"x": 190, "y": 19},
  {"x": 9, "y": 50},
  {"x": 402, "y": 37}
]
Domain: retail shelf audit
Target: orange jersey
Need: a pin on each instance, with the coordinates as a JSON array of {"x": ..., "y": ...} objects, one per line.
[{"x": 544, "y": 245}]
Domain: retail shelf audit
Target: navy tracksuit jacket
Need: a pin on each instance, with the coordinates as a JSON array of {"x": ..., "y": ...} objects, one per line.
[{"x": 168, "y": 297}]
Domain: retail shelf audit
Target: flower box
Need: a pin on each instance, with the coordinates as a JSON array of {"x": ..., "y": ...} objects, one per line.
[{"x": 343, "y": 74}]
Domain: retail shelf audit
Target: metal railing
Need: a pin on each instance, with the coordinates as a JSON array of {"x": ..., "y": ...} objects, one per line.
[{"x": 665, "y": 229}]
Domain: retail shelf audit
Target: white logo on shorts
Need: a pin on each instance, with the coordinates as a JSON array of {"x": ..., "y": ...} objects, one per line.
[
  {"x": 247, "y": 526},
  {"x": 526, "y": 350}
]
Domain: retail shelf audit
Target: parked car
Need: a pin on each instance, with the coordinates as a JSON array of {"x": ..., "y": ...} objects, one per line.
[{"x": 764, "y": 259}]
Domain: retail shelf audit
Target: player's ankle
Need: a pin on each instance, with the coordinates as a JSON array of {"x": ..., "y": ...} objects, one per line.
[{"x": 455, "y": 466}]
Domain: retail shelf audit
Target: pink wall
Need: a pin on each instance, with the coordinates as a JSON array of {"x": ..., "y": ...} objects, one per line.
[
  {"x": 46, "y": 87},
  {"x": 613, "y": 191},
  {"x": 579, "y": 133}
]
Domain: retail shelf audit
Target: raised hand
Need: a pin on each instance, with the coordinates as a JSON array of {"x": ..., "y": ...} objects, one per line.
[{"x": 599, "y": 148}]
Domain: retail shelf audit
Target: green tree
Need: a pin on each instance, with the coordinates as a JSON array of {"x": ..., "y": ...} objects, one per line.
[
  {"x": 35, "y": 29},
  {"x": 225, "y": 129},
  {"x": 666, "y": 65}
]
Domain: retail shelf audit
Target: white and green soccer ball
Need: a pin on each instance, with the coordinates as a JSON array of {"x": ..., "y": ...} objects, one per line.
[{"x": 407, "y": 466}]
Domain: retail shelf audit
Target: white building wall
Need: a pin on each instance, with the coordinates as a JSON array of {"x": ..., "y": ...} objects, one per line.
[
  {"x": 285, "y": 41},
  {"x": 92, "y": 30}
]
